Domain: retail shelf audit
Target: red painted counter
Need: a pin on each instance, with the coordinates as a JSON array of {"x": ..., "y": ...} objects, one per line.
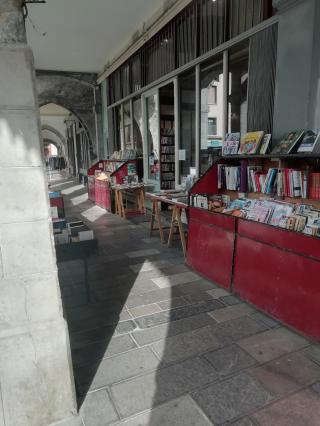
[
  {"x": 211, "y": 245},
  {"x": 278, "y": 271}
]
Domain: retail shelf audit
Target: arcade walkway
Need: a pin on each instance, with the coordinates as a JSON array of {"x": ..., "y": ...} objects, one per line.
[{"x": 158, "y": 345}]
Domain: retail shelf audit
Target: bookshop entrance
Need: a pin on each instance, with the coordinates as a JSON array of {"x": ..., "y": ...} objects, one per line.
[{"x": 159, "y": 109}]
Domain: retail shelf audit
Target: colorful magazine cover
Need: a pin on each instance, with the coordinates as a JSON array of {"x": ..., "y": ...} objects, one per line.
[
  {"x": 280, "y": 212},
  {"x": 250, "y": 142},
  {"x": 286, "y": 145},
  {"x": 309, "y": 141},
  {"x": 230, "y": 145},
  {"x": 265, "y": 143}
]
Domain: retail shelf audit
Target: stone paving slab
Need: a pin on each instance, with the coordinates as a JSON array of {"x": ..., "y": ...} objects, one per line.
[
  {"x": 273, "y": 343},
  {"x": 152, "y": 389},
  {"x": 300, "y": 409},
  {"x": 98, "y": 409},
  {"x": 231, "y": 312},
  {"x": 97, "y": 351},
  {"x": 185, "y": 345},
  {"x": 232, "y": 398},
  {"x": 182, "y": 411},
  {"x": 287, "y": 374},
  {"x": 229, "y": 360},
  {"x": 178, "y": 313},
  {"x": 119, "y": 367},
  {"x": 162, "y": 331},
  {"x": 180, "y": 278}
]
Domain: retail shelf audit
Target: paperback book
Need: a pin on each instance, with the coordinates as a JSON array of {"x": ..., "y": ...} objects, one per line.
[
  {"x": 310, "y": 142},
  {"x": 250, "y": 142},
  {"x": 265, "y": 143},
  {"x": 230, "y": 145},
  {"x": 289, "y": 141}
]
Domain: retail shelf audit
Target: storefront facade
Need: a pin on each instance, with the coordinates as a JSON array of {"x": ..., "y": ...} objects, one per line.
[{"x": 217, "y": 67}]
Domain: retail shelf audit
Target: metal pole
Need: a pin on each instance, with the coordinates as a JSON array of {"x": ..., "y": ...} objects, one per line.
[
  {"x": 197, "y": 121},
  {"x": 225, "y": 92},
  {"x": 176, "y": 130}
]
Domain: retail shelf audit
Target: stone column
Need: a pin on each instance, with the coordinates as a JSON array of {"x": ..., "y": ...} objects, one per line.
[{"x": 36, "y": 383}]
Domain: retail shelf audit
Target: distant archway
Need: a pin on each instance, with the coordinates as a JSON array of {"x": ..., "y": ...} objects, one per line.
[{"x": 76, "y": 92}]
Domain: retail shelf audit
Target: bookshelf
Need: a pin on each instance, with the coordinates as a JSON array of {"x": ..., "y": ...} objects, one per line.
[
  {"x": 274, "y": 268},
  {"x": 167, "y": 152}
]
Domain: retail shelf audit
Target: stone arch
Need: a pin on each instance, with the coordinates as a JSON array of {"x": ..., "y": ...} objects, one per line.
[{"x": 78, "y": 93}]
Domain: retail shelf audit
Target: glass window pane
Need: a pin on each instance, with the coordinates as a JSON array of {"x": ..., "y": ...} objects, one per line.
[
  {"x": 211, "y": 86},
  {"x": 137, "y": 125},
  {"x": 127, "y": 125},
  {"x": 117, "y": 128},
  {"x": 153, "y": 137},
  {"x": 238, "y": 84},
  {"x": 187, "y": 85}
]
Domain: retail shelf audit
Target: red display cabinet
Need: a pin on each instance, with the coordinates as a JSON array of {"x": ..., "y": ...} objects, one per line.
[
  {"x": 117, "y": 171},
  {"x": 278, "y": 271},
  {"x": 275, "y": 269},
  {"x": 210, "y": 245}
]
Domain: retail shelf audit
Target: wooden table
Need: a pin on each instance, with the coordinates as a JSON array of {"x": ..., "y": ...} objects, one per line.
[
  {"x": 176, "y": 222},
  {"x": 138, "y": 192}
]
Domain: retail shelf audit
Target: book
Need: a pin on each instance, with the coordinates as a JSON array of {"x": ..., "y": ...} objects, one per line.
[
  {"x": 309, "y": 142},
  {"x": 288, "y": 142},
  {"x": 230, "y": 145},
  {"x": 250, "y": 142},
  {"x": 265, "y": 143}
]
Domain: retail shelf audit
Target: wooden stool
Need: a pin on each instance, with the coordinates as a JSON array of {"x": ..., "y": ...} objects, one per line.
[
  {"x": 139, "y": 201},
  {"x": 155, "y": 215},
  {"x": 176, "y": 222}
]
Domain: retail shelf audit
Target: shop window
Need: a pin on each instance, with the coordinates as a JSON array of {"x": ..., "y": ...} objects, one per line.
[
  {"x": 153, "y": 137},
  {"x": 117, "y": 126},
  {"x": 212, "y": 95},
  {"x": 262, "y": 59},
  {"x": 187, "y": 85},
  {"x": 137, "y": 125},
  {"x": 211, "y": 130},
  {"x": 212, "y": 126},
  {"x": 238, "y": 88}
]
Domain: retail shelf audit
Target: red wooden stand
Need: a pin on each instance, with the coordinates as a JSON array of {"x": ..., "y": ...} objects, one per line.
[
  {"x": 211, "y": 245},
  {"x": 275, "y": 269}
]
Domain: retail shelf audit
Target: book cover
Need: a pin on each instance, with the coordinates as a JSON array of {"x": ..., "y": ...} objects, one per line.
[
  {"x": 280, "y": 212},
  {"x": 265, "y": 143},
  {"x": 230, "y": 145},
  {"x": 307, "y": 142},
  {"x": 250, "y": 142},
  {"x": 289, "y": 141}
]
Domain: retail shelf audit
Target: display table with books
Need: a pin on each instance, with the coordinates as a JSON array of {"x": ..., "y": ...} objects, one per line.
[
  {"x": 254, "y": 229},
  {"x": 178, "y": 202},
  {"x": 103, "y": 175}
]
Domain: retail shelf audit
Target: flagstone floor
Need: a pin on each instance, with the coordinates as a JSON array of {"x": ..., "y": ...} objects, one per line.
[{"x": 158, "y": 345}]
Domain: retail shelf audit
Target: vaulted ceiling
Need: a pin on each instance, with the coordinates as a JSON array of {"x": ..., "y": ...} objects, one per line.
[{"x": 83, "y": 35}]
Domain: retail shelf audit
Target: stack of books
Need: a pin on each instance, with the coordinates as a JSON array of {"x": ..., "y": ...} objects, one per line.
[
  {"x": 229, "y": 177},
  {"x": 295, "y": 217}
]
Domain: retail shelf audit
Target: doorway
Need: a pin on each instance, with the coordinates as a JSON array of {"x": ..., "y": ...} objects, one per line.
[{"x": 159, "y": 110}]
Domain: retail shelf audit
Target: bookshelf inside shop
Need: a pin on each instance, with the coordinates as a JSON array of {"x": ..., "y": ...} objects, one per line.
[
  {"x": 254, "y": 229},
  {"x": 167, "y": 152}
]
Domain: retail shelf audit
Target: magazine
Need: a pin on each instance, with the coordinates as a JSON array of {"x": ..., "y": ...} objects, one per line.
[
  {"x": 289, "y": 141},
  {"x": 309, "y": 141},
  {"x": 250, "y": 142},
  {"x": 265, "y": 143},
  {"x": 230, "y": 145}
]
